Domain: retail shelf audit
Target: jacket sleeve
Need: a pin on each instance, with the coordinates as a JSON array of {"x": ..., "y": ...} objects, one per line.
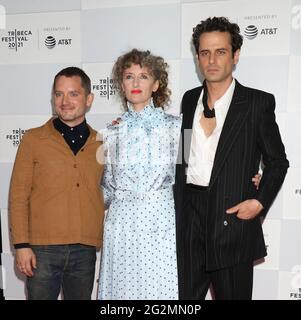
[
  {"x": 273, "y": 155},
  {"x": 20, "y": 191}
]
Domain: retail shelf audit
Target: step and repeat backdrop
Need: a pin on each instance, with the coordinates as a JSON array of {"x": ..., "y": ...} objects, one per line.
[{"x": 39, "y": 38}]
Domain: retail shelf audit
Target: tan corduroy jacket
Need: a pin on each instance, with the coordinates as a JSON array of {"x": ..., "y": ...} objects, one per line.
[{"x": 55, "y": 196}]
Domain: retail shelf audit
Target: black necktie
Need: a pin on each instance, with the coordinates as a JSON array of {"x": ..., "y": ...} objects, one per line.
[{"x": 208, "y": 113}]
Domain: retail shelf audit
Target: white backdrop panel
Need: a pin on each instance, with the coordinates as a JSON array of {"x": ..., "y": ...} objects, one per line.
[
  {"x": 6, "y": 244},
  {"x": 26, "y": 88},
  {"x": 43, "y": 37},
  {"x": 271, "y": 232},
  {"x": 290, "y": 253},
  {"x": 271, "y": 21},
  {"x": 104, "y": 89},
  {"x": 5, "y": 174},
  {"x": 290, "y": 284},
  {"x": 117, "y": 30},
  {"x": 93, "y": 4},
  {"x": 265, "y": 284},
  {"x": 21, "y": 6},
  {"x": 95, "y": 32},
  {"x": 293, "y": 138},
  {"x": 294, "y": 83},
  {"x": 273, "y": 76},
  {"x": 12, "y": 129},
  {"x": 292, "y": 195},
  {"x": 296, "y": 27}
]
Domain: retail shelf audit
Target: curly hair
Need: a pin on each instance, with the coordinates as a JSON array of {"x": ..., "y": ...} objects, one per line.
[
  {"x": 157, "y": 67},
  {"x": 221, "y": 24}
]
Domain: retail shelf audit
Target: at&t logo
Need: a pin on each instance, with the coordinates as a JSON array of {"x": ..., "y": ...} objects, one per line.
[
  {"x": 251, "y": 32},
  {"x": 50, "y": 42}
]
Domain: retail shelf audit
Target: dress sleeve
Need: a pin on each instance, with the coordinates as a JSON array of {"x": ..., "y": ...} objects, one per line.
[
  {"x": 175, "y": 138},
  {"x": 107, "y": 179}
]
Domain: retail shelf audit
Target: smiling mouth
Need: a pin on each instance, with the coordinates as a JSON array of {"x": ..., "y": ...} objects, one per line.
[{"x": 136, "y": 91}]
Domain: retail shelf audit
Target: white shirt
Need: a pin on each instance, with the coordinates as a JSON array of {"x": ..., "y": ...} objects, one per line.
[{"x": 202, "y": 148}]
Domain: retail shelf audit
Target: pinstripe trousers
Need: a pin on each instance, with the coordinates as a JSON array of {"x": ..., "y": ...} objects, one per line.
[{"x": 233, "y": 283}]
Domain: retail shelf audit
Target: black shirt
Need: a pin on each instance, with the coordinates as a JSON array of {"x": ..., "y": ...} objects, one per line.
[{"x": 76, "y": 136}]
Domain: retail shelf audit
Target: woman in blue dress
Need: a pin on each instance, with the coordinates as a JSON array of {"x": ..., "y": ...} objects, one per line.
[{"x": 139, "y": 245}]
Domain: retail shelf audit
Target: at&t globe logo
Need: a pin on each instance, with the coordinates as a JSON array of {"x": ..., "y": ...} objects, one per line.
[
  {"x": 50, "y": 42},
  {"x": 251, "y": 32}
]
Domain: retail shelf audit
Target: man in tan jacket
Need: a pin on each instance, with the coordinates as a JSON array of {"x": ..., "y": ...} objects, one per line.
[{"x": 56, "y": 205}]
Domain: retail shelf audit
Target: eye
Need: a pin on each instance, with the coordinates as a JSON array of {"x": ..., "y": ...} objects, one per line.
[
  {"x": 220, "y": 52},
  {"x": 143, "y": 76},
  {"x": 57, "y": 94},
  {"x": 204, "y": 53},
  {"x": 128, "y": 77},
  {"x": 73, "y": 94}
]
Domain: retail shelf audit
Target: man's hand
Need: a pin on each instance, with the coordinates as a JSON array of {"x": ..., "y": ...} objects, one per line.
[
  {"x": 26, "y": 260},
  {"x": 246, "y": 210}
]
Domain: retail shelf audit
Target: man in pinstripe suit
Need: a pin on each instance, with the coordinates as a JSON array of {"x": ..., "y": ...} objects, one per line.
[{"x": 227, "y": 130}]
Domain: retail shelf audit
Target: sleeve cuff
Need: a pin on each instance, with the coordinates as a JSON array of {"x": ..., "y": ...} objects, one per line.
[{"x": 21, "y": 245}]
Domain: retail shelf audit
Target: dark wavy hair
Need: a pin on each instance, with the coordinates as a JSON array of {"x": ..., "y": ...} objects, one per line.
[
  {"x": 73, "y": 72},
  {"x": 221, "y": 24},
  {"x": 157, "y": 67}
]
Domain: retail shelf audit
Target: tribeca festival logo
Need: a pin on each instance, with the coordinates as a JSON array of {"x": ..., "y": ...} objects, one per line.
[
  {"x": 106, "y": 88},
  {"x": 15, "y": 136},
  {"x": 2, "y": 17},
  {"x": 296, "y": 283},
  {"x": 16, "y": 39}
]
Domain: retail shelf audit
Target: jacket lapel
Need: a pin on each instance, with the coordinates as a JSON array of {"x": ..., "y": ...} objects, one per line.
[{"x": 234, "y": 121}]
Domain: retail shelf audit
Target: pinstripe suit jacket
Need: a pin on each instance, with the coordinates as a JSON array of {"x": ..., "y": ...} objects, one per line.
[{"x": 250, "y": 134}]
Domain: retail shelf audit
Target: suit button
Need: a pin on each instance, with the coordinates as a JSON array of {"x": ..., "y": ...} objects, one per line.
[
  {"x": 225, "y": 223},
  {"x": 77, "y": 184}
]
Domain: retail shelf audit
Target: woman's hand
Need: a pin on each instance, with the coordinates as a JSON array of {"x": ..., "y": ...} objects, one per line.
[{"x": 256, "y": 180}]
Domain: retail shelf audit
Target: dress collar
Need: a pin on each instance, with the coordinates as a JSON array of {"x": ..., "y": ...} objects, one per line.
[{"x": 148, "y": 110}]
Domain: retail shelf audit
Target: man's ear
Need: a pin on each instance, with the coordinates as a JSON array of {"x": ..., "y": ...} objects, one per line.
[
  {"x": 236, "y": 56},
  {"x": 90, "y": 99}
]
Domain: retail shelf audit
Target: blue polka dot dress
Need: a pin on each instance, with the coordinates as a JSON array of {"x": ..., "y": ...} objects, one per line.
[{"x": 139, "y": 249}]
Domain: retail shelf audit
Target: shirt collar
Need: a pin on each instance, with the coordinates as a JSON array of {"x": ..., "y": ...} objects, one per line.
[
  {"x": 221, "y": 105},
  {"x": 63, "y": 128},
  {"x": 227, "y": 97}
]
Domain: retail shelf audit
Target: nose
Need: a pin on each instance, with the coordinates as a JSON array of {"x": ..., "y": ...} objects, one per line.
[
  {"x": 136, "y": 82},
  {"x": 65, "y": 99},
  {"x": 211, "y": 58}
]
